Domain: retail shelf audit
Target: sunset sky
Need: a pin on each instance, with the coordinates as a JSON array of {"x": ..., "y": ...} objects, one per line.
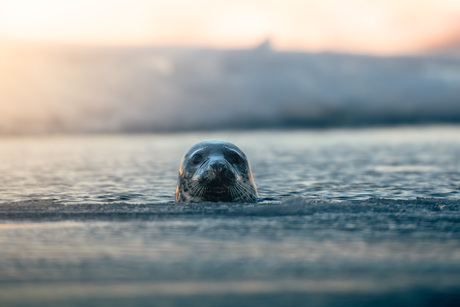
[{"x": 374, "y": 26}]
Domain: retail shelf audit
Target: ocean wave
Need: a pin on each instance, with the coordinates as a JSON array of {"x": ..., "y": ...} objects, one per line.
[{"x": 154, "y": 89}]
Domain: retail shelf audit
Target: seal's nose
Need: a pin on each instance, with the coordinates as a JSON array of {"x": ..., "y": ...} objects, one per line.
[{"x": 217, "y": 167}]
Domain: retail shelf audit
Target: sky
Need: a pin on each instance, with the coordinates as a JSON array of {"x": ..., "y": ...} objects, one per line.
[{"x": 363, "y": 26}]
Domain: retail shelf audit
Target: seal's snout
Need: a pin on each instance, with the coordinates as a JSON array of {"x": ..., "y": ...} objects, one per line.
[
  {"x": 218, "y": 171},
  {"x": 217, "y": 167}
]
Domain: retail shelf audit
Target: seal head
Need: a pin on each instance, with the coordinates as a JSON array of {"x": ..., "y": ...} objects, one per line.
[{"x": 215, "y": 171}]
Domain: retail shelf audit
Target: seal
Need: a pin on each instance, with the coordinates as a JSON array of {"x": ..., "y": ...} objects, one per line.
[{"x": 214, "y": 171}]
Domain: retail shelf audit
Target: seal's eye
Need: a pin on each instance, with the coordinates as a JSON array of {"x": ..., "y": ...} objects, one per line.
[
  {"x": 235, "y": 158},
  {"x": 197, "y": 158}
]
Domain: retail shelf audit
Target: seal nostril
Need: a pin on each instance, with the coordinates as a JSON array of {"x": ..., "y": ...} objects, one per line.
[{"x": 217, "y": 167}]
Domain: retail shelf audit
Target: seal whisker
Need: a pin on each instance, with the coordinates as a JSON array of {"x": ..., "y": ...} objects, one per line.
[
  {"x": 244, "y": 187},
  {"x": 240, "y": 194},
  {"x": 236, "y": 193},
  {"x": 197, "y": 190},
  {"x": 194, "y": 188},
  {"x": 233, "y": 192},
  {"x": 202, "y": 191},
  {"x": 245, "y": 192}
]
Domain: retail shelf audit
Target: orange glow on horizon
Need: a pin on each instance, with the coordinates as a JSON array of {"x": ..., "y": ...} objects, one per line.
[{"x": 381, "y": 26}]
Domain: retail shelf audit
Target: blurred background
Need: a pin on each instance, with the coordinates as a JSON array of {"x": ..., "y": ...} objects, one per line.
[{"x": 80, "y": 66}]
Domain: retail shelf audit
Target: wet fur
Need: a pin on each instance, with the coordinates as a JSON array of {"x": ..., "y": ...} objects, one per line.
[{"x": 200, "y": 182}]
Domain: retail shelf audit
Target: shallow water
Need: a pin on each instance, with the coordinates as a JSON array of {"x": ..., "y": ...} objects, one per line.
[
  {"x": 366, "y": 217},
  {"x": 321, "y": 165}
]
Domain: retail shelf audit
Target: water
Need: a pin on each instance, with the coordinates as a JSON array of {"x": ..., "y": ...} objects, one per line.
[
  {"x": 331, "y": 165},
  {"x": 351, "y": 217}
]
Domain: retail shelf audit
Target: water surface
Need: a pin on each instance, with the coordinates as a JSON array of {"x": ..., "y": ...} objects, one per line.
[
  {"x": 323, "y": 164},
  {"x": 366, "y": 217}
]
